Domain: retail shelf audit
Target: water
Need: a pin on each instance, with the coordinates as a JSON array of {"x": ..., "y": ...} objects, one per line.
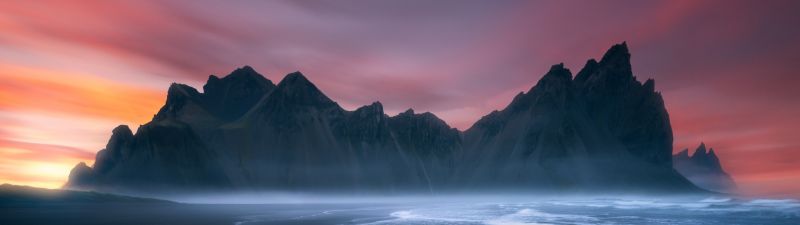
[
  {"x": 417, "y": 210},
  {"x": 595, "y": 211}
]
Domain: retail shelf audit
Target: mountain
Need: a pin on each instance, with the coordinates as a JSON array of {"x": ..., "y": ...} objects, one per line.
[
  {"x": 703, "y": 169},
  {"x": 24, "y": 195},
  {"x": 602, "y": 129}
]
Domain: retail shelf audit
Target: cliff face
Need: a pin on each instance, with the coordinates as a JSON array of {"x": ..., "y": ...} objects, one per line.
[
  {"x": 703, "y": 169},
  {"x": 602, "y": 129}
]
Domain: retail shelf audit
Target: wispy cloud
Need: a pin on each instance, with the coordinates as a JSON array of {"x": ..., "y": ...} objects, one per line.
[{"x": 726, "y": 68}]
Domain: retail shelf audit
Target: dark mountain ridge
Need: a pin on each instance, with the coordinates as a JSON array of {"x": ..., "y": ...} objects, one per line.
[{"x": 601, "y": 130}]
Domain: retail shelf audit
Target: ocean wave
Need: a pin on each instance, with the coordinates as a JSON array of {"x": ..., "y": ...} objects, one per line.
[
  {"x": 616, "y": 211},
  {"x": 530, "y": 216},
  {"x": 716, "y": 200},
  {"x": 640, "y": 204},
  {"x": 774, "y": 203}
]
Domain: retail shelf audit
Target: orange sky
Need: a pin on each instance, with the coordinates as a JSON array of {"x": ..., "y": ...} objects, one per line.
[
  {"x": 53, "y": 119},
  {"x": 72, "y": 71}
]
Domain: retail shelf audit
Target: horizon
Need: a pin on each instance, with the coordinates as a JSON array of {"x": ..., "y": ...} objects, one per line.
[{"x": 71, "y": 74}]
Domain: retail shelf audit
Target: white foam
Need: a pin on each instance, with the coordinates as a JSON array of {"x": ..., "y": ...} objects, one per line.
[
  {"x": 517, "y": 218},
  {"x": 530, "y": 216},
  {"x": 774, "y": 203},
  {"x": 409, "y": 215},
  {"x": 715, "y": 200},
  {"x": 403, "y": 215}
]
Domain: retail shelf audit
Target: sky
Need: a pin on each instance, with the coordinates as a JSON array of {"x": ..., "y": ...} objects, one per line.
[{"x": 70, "y": 71}]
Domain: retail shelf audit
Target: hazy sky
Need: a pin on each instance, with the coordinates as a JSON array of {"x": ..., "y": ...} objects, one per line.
[{"x": 70, "y": 71}]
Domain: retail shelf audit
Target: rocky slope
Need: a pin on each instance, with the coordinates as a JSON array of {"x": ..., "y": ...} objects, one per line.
[
  {"x": 703, "y": 169},
  {"x": 602, "y": 129}
]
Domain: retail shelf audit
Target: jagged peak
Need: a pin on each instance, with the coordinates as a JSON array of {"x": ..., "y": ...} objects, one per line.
[
  {"x": 701, "y": 150},
  {"x": 613, "y": 71},
  {"x": 617, "y": 54},
  {"x": 587, "y": 70},
  {"x": 411, "y": 112},
  {"x": 711, "y": 153},
  {"x": 244, "y": 70},
  {"x": 559, "y": 71},
  {"x": 374, "y": 107},
  {"x": 650, "y": 85},
  {"x": 557, "y": 77}
]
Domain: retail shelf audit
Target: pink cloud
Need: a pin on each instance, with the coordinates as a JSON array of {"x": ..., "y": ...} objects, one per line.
[{"x": 726, "y": 68}]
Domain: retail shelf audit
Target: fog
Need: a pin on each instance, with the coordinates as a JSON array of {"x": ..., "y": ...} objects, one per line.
[
  {"x": 489, "y": 208},
  {"x": 414, "y": 198},
  {"x": 501, "y": 209}
]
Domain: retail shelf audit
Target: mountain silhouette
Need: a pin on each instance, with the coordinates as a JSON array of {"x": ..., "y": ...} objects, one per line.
[
  {"x": 703, "y": 169},
  {"x": 601, "y": 130}
]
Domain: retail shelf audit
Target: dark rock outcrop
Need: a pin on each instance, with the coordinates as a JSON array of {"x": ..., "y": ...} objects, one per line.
[
  {"x": 704, "y": 169},
  {"x": 601, "y": 130}
]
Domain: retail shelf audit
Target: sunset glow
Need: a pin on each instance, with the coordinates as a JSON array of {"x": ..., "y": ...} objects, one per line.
[{"x": 72, "y": 71}]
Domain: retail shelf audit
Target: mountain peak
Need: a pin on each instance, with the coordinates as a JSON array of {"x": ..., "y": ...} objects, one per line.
[
  {"x": 618, "y": 59},
  {"x": 231, "y": 96},
  {"x": 245, "y": 74},
  {"x": 618, "y": 52},
  {"x": 295, "y": 77},
  {"x": 296, "y": 89},
  {"x": 650, "y": 85},
  {"x": 297, "y": 80},
  {"x": 711, "y": 153},
  {"x": 408, "y": 111},
  {"x": 701, "y": 150},
  {"x": 178, "y": 95},
  {"x": 374, "y": 110},
  {"x": 180, "y": 90},
  {"x": 704, "y": 169},
  {"x": 122, "y": 131},
  {"x": 588, "y": 69},
  {"x": 245, "y": 70},
  {"x": 375, "y": 107},
  {"x": 706, "y": 157},
  {"x": 557, "y": 68},
  {"x": 557, "y": 77}
]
